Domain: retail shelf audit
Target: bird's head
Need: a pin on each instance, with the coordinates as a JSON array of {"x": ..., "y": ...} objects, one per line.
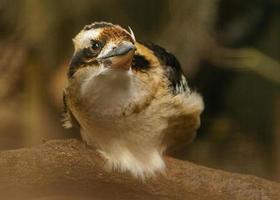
[{"x": 105, "y": 44}]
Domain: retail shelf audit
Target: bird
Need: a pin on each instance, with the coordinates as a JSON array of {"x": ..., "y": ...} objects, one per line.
[{"x": 130, "y": 100}]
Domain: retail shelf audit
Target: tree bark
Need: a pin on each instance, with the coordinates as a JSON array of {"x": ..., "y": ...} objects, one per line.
[{"x": 68, "y": 167}]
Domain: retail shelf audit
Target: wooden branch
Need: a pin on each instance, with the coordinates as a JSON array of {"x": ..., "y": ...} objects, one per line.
[{"x": 68, "y": 167}]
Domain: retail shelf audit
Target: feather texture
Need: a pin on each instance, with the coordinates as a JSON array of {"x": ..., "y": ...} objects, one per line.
[
  {"x": 172, "y": 68},
  {"x": 131, "y": 115}
]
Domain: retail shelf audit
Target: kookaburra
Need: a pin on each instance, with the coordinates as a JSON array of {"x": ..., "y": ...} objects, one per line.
[{"x": 130, "y": 99}]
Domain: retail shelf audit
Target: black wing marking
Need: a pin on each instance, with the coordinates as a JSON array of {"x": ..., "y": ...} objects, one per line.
[
  {"x": 172, "y": 67},
  {"x": 68, "y": 120},
  {"x": 139, "y": 62}
]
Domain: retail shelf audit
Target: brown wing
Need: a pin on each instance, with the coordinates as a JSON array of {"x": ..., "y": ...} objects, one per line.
[
  {"x": 182, "y": 127},
  {"x": 180, "y": 132},
  {"x": 68, "y": 120}
]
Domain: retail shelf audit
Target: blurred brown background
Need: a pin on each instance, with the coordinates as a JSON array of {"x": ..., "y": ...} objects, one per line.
[{"x": 229, "y": 50}]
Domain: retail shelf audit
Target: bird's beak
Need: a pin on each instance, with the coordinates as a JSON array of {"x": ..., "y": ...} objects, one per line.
[{"x": 119, "y": 56}]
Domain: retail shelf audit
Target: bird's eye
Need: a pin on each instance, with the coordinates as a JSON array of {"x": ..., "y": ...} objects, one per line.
[
  {"x": 95, "y": 45},
  {"x": 93, "y": 50}
]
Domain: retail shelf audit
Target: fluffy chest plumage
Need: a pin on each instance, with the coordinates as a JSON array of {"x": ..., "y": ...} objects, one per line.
[
  {"x": 116, "y": 113},
  {"x": 128, "y": 121},
  {"x": 110, "y": 93}
]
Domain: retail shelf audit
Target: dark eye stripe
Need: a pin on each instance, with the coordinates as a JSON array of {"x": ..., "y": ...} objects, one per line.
[
  {"x": 93, "y": 50},
  {"x": 75, "y": 63},
  {"x": 87, "y": 53},
  {"x": 79, "y": 60}
]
